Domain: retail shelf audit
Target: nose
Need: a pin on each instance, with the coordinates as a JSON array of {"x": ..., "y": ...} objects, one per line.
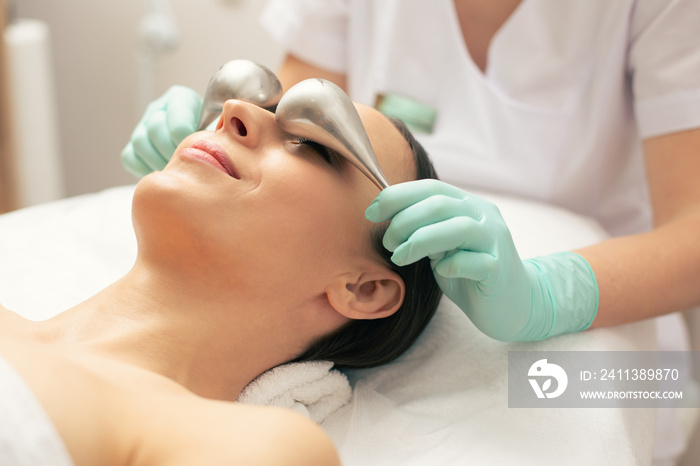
[{"x": 243, "y": 122}]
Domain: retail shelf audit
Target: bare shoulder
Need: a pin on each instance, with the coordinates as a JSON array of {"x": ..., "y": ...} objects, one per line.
[
  {"x": 299, "y": 440},
  {"x": 13, "y": 325},
  {"x": 8, "y": 318},
  {"x": 223, "y": 433}
]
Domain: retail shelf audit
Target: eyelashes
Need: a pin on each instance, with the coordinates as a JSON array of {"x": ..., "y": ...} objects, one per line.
[{"x": 330, "y": 156}]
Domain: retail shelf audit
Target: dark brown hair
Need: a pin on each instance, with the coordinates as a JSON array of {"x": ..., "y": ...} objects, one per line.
[{"x": 369, "y": 343}]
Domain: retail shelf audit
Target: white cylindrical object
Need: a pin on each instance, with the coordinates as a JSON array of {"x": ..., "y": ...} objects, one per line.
[{"x": 39, "y": 169}]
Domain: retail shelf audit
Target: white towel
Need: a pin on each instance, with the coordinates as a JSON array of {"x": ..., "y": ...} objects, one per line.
[
  {"x": 27, "y": 435},
  {"x": 311, "y": 388}
]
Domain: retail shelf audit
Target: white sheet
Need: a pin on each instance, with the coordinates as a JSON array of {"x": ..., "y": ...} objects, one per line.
[{"x": 444, "y": 402}]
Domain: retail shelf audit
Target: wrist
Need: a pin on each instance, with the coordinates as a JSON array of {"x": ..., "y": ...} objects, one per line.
[{"x": 565, "y": 295}]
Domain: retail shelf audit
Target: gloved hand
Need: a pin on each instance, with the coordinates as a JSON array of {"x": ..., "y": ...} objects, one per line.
[
  {"x": 477, "y": 266},
  {"x": 167, "y": 121}
]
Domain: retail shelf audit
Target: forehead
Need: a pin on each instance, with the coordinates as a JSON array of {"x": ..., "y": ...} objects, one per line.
[{"x": 390, "y": 147}]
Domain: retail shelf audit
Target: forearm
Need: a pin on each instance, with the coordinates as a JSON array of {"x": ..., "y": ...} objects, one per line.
[
  {"x": 647, "y": 275},
  {"x": 655, "y": 273},
  {"x": 294, "y": 70}
]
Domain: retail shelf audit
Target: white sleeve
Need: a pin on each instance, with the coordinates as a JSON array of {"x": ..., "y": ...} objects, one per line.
[
  {"x": 664, "y": 62},
  {"x": 313, "y": 30}
]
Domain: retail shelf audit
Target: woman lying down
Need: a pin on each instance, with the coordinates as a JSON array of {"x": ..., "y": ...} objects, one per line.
[{"x": 253, "y": 251}]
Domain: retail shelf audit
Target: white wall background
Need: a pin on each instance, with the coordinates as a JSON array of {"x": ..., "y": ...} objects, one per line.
[{"x": 94, "y": 51}]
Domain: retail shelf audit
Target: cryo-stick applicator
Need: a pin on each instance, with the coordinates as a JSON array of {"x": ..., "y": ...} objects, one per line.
[{"x": 314, "y": 109}]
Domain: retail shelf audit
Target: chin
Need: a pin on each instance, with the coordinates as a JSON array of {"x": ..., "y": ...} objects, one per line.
[
  {"x": 155, "y": 192},
  {"x": 166, "y": 212},
  {"x": 178, "y": 221}
]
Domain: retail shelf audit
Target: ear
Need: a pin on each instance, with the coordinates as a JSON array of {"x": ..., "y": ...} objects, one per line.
[{"x": 374, "y": 293}]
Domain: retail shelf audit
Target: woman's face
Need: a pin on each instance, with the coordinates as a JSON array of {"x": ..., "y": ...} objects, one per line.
[{"x": 251, "y": 207}]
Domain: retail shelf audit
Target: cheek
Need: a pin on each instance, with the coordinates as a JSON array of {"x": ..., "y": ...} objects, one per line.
[
  {"x": 312, "y": 217},
  {"x": 314, "y": 206}
]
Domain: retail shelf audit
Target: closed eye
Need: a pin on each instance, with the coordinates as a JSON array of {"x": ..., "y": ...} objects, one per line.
[{"x": 333, "y": 158}]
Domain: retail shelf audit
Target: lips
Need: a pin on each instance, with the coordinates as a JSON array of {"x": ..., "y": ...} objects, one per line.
[{"x": 218, "y": 154}]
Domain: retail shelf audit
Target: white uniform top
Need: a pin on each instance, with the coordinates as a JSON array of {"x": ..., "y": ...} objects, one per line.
[{"x": 570, "y": 89}]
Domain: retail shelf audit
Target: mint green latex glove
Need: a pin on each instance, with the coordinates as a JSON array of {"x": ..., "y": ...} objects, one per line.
[
  {"x": 477, "y": 266},
  {"x": 167, "y": 121}
]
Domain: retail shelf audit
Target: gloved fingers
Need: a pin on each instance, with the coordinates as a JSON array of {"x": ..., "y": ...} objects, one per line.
[
  {"x": 399, "y": 196},
  {"x": 436, "y": 256},
  {"x": 132, "y": 163},
  {"x": 154, "y": 106},
  {"x": 452, "y": 234},
  {"x": 159, "y": 135},
  {"x": 433, "y": 210},
  {"x": 476, "y": 266},
  {"x": 145, "y": 151},
  {"x": 164, "y": 124},
  {"x": 183, "y": 109}
]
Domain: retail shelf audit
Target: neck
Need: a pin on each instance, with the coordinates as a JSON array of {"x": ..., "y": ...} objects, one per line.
[{"x": 164, "y": 324}]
